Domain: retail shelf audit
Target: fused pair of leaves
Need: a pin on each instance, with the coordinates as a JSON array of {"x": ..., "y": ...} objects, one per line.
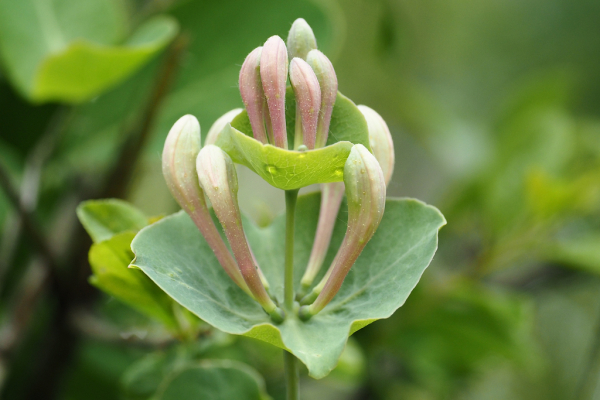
[
  {"x": 286, "y": 169},
  {"x": 174, "y": 255}
]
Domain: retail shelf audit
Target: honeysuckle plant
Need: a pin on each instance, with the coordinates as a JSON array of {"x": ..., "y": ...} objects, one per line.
[{"x": 336, "y": 261}]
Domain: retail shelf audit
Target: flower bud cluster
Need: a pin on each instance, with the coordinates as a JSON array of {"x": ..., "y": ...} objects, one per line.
[
  {"x": 193, "y": 172},
  {"x": 262, "y": 83}
]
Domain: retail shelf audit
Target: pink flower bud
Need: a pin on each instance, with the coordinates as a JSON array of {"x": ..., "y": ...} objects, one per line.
[
  {"x": 329, "y": 86},
  {"x": 273, "y": 73},
  {"x": 179, "y": 169},
  {"x": 301, "y": 39},
  {"x": 380, "y": 140},
  {"x": 218, "y": 178},
  {"x": 365, "y": 191},
  {"x": 308, "y": 101},
  {"x": 253, "y": 95},
  {"x": 215, "y": 130}
]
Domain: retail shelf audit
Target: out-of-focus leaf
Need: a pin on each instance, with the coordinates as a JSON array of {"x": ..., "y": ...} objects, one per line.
[
  {"x": 95, "y": 370},
  {"x": 69, "y": 50},
  {"x": 351, "y": 366},
  {"x": 143, "y": 378},
  {"x": 112, "y": 224},
  {"x": 213, "y": 380},
  {"x": 103, "y": 219},
  {"x": 109, "y": 260},
  {"x": 578, "y": 252},
  {"x": 442, "y": 338},
  {"x": 380, "y": 281}
]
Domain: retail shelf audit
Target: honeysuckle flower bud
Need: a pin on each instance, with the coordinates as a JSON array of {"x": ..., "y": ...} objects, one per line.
[
  {"x": 252, "y": 93},
  {"x": 273, "y": 73},
  {"x": 216, "y": 128},
  {"x": 218, "y": 178},
  {"x": 365, "y": 191},
  {"x": 301, "y": 39},
  {"x": 179, "y": 169},
  {"x": 380, "y": 140},
  {"x": 329, "y": 86},
  {"x": 308, "y": 101},
  {"x": 331, "y": 199}
]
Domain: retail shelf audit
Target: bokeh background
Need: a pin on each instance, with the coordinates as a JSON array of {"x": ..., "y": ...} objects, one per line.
[{"x": 494, "y": 107}]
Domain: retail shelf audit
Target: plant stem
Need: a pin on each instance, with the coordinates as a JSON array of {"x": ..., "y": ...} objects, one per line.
[
  {"x": 290, "y": 362},
  {"x": 292, "y": 379},
  {"x": 290, "y": 210}
]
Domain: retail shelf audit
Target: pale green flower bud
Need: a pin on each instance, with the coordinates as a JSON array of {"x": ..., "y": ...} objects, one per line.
[
  {"x": 380, "y": 140},
  {"x": 329, "y": 86},
  {"x": 179, "y": 169},
  {"x": 308, "y": 101},
  {"x": 218, "y": 178},
  {"x": 301, "y": 39},
  {"x": 253, "y": 95},
  {"x": 217, "y": 127},
  {"x": 273, "y": 73},
  {"x": 365, "y": 191}
]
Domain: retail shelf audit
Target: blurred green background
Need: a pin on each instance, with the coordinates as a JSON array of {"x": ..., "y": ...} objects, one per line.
[{"x": 494, "y": 107}]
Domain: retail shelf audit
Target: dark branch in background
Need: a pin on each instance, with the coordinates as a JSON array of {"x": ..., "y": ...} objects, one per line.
[
  {"x": 61, "y": 338},
  {"x": 29, "y": 191},
  {"x": 121, "y": 174},
  {"x": 34, "y": 233}
]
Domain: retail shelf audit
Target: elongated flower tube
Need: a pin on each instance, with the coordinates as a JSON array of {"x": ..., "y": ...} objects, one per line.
[
  {"x": 301, "y": 39},
  {"x": 329, "y": 86},
  {"x": 218, "y": 178},
  {"x": 365, "y": 190},
  {"x": 252, "y": 93},
  {"x": 273, "y": 74},
  {"x": 217, "y": 127},
  {"x": 308, "y": 101},
  {"x": 179, "y": 169},
  {"x": 380, "y": 140},
  {"x": 331, "y": 199}
]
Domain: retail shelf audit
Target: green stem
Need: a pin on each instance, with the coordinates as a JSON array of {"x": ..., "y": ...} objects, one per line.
[
  {"x": 291, "y": 376},
  {"x": 290, "y": 362},
  {"x": 290, "y": 210}
]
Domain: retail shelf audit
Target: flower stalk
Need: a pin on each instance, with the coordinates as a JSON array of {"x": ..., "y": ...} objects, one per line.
[
  {"x": 218, "y": 178},
  {"x": 365, "y": 190},
  {"x": 179, "y": 169}
]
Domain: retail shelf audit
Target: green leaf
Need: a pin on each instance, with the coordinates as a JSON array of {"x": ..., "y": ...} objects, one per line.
[
  {"x": 286, "y": 169},
  {"x": 102, "y": 219},
  {"x": 109, "y": 260},
  {"x": 581, "y": 252},
  {"x": 72, "y": 51},
  {"x": 213, "y": 380},
  {"x": 174, "y": 255}
]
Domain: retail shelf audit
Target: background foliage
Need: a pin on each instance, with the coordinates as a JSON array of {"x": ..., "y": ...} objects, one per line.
[{"x": 495, "y": 112}]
